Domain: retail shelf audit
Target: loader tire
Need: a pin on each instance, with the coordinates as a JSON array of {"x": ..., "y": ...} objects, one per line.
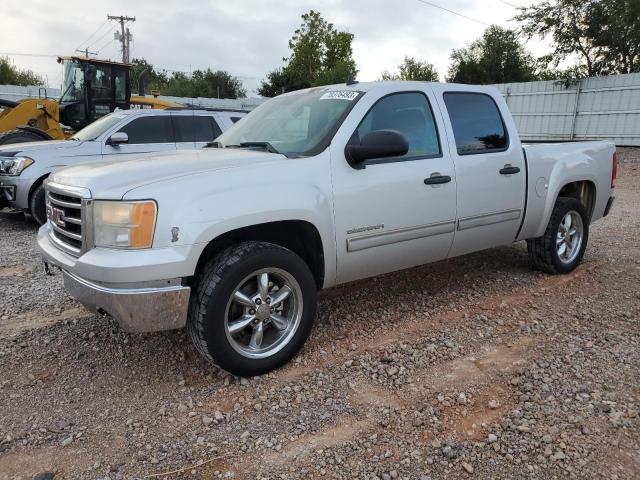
[{"x": 19, "y": 136}]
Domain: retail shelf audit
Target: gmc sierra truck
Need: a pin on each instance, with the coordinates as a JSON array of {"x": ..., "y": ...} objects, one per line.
[{"x": 312, "y": 189}]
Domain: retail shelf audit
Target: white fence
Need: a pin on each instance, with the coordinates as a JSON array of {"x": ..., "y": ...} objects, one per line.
[{"x": 599, "y": 108}]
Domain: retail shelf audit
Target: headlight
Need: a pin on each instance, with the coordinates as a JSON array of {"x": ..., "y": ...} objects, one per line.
[
  {"x": 15, "y": 165},
  {"x": 124, "y": 224}
]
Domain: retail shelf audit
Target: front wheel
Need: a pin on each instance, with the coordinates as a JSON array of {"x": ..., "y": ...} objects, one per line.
[
  {"x": 252, "y": 308},
  {"x": 37, "y": 205},
  {"x": 563, "y": 244}
]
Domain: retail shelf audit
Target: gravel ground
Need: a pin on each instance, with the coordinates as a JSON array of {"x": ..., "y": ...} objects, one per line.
[{"x": 473, "y": 367}]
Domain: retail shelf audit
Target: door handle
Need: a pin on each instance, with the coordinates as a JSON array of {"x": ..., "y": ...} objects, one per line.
[
  {"x": 509, "y": 169},
  {"x": 437, "y": 179}
]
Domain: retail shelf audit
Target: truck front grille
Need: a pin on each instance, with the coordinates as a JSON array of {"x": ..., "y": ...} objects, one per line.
[{"x": 65, "y": 216}]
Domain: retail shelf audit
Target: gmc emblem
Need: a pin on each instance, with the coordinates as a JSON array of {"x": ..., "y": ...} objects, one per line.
[{"x": 56, "y": 216}]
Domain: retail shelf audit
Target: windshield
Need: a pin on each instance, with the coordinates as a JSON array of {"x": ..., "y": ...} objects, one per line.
[
  {"x": 97, "y": 128},
  {"x": 72, "y": 82},
  {"x": 293, "y": 124}
]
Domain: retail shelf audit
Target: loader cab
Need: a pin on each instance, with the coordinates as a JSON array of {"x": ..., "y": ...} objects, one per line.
[{"x": 91, "y": 89}]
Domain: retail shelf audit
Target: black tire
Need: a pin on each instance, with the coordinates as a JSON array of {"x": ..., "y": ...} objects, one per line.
[
  {"x": 214, "y": 289},
  {"x": 19, "y": 136},
  {"x": 37, "y": 205},
  {"x": 543, "y": 253}
]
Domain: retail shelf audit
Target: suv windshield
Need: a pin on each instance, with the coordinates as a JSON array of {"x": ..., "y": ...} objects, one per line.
[
  {"x": 295, "y": 124},
  {"x": 97, "y": 128}
]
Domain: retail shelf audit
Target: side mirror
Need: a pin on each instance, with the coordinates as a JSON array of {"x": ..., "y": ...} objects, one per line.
[
  {"x": 118, "y": 138},
  {"x": 377, "y": 144}
]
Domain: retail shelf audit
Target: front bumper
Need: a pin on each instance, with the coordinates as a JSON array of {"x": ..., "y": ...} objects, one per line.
[
  {"x": 14, "y": 192},
  {"x": 137, "y": 309},
  {"x": 139, "y": 305}
]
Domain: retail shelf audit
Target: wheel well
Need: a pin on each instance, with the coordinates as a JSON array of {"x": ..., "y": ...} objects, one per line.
[
  {"x": 35, "y": 185},
  {"x": 298, "y": 236},
  {"x": 584, "y": 191}
]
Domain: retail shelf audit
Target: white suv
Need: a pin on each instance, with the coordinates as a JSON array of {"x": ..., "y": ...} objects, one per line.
[{"x": 25, "y": 166}]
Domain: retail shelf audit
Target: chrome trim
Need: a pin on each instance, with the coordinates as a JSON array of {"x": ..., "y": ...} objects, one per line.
[
  {"x": 62, "y": 203},
  {"x": 399, "y": 235},
  {"x": 67, "y": 189},
  {"x": 62, "y": 245},
  {"x": 74, "y": 220},
  {"x": 139, "y": 309},
  {"x": 59, "y": 235},
  {"x": 488, "y": 219},
  {"x": 62, "y": 231}
]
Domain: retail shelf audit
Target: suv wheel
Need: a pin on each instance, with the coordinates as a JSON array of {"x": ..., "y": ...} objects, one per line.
[
  {"x": 37, "y": 205},
  {"x": 252, "y": 308}
]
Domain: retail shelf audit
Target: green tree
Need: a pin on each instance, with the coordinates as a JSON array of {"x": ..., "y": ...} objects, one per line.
[
  {"x": 320, "y": 55},
  {"x": 603, "y": 34},
  {"x": 205, "y": 83},
  {"x": 412, "y": 69},
  {"x": 496, "y": 57},
  {"x": 201, "y": 83},
  {"x": 11, "y": 75},
  {"x": 154, "y": 79}
]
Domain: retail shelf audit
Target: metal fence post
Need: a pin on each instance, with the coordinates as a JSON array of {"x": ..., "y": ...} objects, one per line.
[{"x": 575, "y": 111}]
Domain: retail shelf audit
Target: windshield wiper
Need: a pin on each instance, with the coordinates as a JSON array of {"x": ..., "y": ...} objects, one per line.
[
  {"x": 266, "y": 145},
  {"x": 213, "y": 144}
]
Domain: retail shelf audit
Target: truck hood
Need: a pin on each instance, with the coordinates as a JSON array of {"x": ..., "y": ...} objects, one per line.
[
  {"x": 52, "y": 147},
  {"x": 112, "y": 179}
]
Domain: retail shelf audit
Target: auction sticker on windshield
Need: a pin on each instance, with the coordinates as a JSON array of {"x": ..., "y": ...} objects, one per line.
[{"x": 340, "y": 95}]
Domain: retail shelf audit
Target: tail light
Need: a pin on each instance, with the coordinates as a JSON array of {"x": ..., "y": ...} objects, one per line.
[{"x": 614, "y": 170}]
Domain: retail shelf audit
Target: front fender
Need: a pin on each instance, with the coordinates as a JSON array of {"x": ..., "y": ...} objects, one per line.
[{"x": 194, "y": 210}]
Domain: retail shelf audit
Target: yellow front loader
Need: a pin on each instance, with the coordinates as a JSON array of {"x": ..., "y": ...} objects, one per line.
[{"x": 91, "y": 88}]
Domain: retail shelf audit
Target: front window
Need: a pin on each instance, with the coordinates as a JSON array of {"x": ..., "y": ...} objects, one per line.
[
  {"x": 73, "y": 82},
  {"x": 97, "y": 128},
  {"x": 299, "y": 123}
]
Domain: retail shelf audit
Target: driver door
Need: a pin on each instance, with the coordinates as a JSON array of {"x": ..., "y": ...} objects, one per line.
[
  {"x": 147, "y": 133},
  {"x": 386, "y": 216}
]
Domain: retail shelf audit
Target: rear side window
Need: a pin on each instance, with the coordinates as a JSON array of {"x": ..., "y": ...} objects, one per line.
[
  {"x": 235, "y": 119},
  {"x": 156, "y": 129},
  {"x": 408, "y": 113},
  {"x": 198, "y": 128},
  {"x": 477, "y": 123}
]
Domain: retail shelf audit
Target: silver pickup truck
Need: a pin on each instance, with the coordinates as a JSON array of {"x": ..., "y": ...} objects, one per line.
[
  {"x": 312, "y": 189},
  {"x": 24, "y": 166}
]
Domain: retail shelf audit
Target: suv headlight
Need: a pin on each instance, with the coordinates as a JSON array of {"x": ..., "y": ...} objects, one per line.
[
  {"x": 15, "y": 165},
  {"x": 119, "y": 224}
]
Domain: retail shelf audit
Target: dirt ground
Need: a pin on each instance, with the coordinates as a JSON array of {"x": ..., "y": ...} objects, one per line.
[{"x": 475, "y": 367}]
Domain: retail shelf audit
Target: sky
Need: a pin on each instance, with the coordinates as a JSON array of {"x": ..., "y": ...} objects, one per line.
[{"x": 246, "y": 38}]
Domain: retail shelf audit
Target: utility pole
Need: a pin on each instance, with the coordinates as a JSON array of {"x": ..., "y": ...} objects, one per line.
[
  {"x": 124, "y": 36},
  {"x": 86, "y": 52}
]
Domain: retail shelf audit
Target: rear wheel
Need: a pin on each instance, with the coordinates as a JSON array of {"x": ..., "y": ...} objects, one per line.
[
  {"x": 563, "y": 244},
  {"x": 253, "y": 308},
  {"x": 19, "y": 136},
  {"x": 37, "y": 205}
]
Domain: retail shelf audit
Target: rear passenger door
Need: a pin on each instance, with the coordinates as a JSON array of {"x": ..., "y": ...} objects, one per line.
[
  {"x": 489, "y": 165},
  {"x": 195, "y": 130},
  {"x": 147, "y": 133}
]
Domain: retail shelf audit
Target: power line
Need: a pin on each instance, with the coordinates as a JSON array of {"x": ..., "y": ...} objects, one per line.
[
  {"x": 91, "y": 36},
  {"x": 15, "y": 54},
  {"x": 455, "y": 13},
  {"x": 510, "y": 4},
  {"x": 100, "y": 38},
  {"x": 111, "y": 40}
]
